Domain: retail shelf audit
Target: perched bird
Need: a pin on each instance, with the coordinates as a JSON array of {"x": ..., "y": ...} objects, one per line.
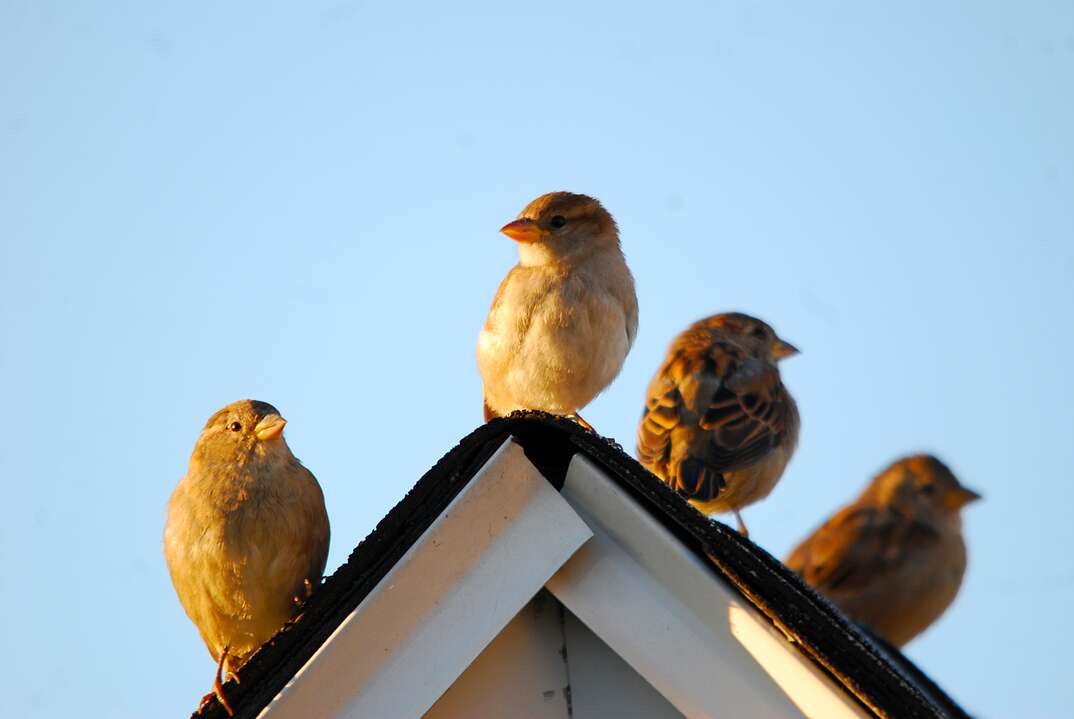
[
  {"x": 892, "y": 559},
  {"x": 719, "y": 426},
  {"x": 246, "y": 536},
  {"x": 565, "y": 316}
]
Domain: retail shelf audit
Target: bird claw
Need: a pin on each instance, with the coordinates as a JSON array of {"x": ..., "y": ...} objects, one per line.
[
  {"x": 218, "y": 687},
  {"x": 218, "y": 694},
  {"x": 578, "y": 418},
  {"x": 307, "y": 586},
  {"x": 205, "y": 701}
]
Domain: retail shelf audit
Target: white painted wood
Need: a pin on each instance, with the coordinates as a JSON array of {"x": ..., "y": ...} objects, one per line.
[
  {"x": 602, "y": 684},
  {"x": 804, "y": 682},
  {"x": 521, "y": 674},
  {"x": 661, "y": 609},
  {"x": 524, "y": 672},
  {"x": 475, "y": 567}
]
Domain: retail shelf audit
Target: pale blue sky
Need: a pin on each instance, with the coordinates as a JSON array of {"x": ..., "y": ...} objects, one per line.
[{"x": 300, "y": 204}]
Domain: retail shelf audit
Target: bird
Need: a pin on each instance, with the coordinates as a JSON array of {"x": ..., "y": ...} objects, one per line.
[
  {"x": 719, "y": 426},
  {"x": 565, "y": 317},
  {"x": 246, "y": 535},
  {"x": 894, "y": 558}
]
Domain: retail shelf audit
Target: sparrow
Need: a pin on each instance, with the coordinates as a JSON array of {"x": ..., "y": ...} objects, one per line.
[
  {"x": 565, "y": 316},
  {"x": 894, "y": 558},
  {"x": 719, "y": 426},
  {"x": 246, "y": 535}
]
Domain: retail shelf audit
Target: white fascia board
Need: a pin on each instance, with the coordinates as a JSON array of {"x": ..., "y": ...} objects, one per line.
[
  {"x": 449, "y": 595},
  {"x": 520, "y": 675},
  {"x": 657, "y": 605}
]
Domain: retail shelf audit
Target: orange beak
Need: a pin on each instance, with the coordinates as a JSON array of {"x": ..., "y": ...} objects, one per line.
[
  {"x": 270, "y": 428},
  {"x": 960, "y": 497},
  {"x": 522, "y": 230},
  {"x": 782, "y": 349}
]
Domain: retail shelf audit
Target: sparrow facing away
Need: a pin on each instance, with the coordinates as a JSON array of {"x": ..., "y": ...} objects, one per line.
[
  {"x": 565, "y": 316},
  {"x": 894, "y": 558},
  {"x": 719, "y": 426},
  {"x": 246, "y": 536}
]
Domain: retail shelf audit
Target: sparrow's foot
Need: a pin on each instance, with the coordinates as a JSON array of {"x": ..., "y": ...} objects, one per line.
[
  {"x": 218, "y": 688},
  {"x": 218, "y": 691},
  {"x": 741, "y": 525},
  {"x": 205, "y": 700},
  {"x": 578, "y": 418}
]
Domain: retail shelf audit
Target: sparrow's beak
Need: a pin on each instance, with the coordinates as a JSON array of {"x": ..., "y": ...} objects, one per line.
[
  {"x": 522, "y": 230},
  {"x": 960, "y": 497},
  {"x": 269, "y": 428},
  {"x": 781, "y": 349}
]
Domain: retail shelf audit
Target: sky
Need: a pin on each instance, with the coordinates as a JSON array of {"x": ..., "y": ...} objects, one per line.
[{"x": 299, "y": 203}]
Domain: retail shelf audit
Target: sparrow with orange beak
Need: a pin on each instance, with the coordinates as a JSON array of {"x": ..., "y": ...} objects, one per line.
[
  {"x": 246, "y": 536},
  {"x": 565, "y": 316},
  {"x": 719, "y": 426},
  {"x": 894, "y": 558}
]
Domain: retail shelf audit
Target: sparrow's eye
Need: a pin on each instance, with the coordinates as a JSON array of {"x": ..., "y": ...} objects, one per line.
[
  {"x": 234, "y": 426},
  {"x": 928, "y": 489},
  {"x": 758, "y": 332},
  {"x": 556, "y": 222}
]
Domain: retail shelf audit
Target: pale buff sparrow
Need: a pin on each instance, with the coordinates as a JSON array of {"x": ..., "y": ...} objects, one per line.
[
  {"x": 565, "y": 316},
  {"x": 246, "y": 536}
]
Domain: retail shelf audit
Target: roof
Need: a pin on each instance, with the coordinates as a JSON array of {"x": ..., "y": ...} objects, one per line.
[{"x": 879, "y": 676}]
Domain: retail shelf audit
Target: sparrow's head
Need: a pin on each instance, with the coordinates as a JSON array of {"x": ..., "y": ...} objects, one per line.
[
  {"x": 754, "y": 335},
  {"x": 241, "y": 429},
  {"x": 562, "y": 226},
  {"x": 920, "y": 486}
]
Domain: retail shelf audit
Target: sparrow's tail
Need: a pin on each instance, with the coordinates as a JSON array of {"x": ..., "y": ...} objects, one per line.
[{"x": 698, "y": 481}]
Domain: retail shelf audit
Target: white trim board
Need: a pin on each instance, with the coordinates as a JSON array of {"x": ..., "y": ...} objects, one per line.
[
  {"x": 660, "y": 608},
  {"x": 546, "y": 664},
  {"x": 452, "y": 592}
]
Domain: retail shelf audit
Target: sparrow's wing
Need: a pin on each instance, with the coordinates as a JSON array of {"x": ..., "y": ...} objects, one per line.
[
  {"x": 664, "y": 409},
  {"x": 857, "y": 545},
  {"x": 501, "y": 293},
  {"x": 729, "y": 408},
  {"x": 320, "y": 532},
  {"x": 747, "y": 414},
  {"x": 630, "y": 312}
]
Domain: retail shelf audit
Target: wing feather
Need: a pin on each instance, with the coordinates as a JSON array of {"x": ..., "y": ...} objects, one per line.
[
  {"x": 858, "y": 545},
  {"x": 727, "y": 408}
]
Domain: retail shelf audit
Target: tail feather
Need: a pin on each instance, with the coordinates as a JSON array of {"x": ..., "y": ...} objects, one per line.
[{"x": 698, "y": 481}]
